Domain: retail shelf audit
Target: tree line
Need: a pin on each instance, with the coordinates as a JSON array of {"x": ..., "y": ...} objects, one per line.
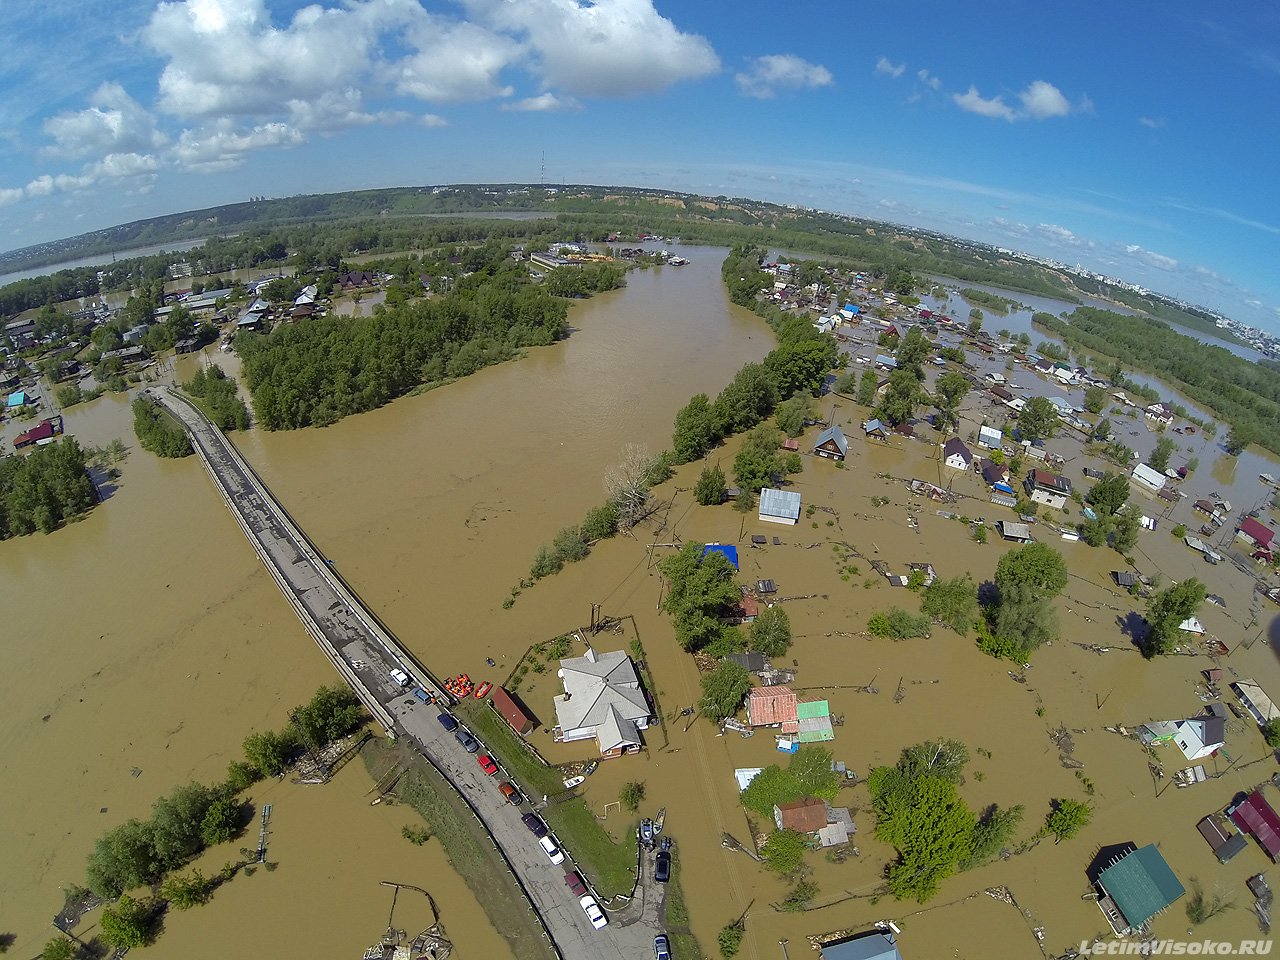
[
  {"x": 215, "y": 394},
  {"x": 158, "y": 431},
  {"x": 44, "y": 488}
]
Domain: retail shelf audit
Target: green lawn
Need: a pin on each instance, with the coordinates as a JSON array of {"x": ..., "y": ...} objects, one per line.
[{"x": 609, "y": 863}]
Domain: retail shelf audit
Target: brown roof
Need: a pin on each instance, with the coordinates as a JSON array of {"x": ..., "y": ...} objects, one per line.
[
  {"x": 769, "y": 705},
  {"x": 803, "y": 816},
  {"x": 512, "y": 711}
]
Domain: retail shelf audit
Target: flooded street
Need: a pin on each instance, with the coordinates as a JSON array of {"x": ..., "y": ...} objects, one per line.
[{"x": 149, "y": 637}]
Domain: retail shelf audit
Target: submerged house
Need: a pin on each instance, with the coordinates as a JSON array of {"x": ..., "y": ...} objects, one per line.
[
  {"x": 602, "y": 699},
  {"x": 779, "y": 506},
  {"x": 1254, "y": 816},
  {"x": 1135, "y": 887},
  {"x": 956, "y": 455},
  {"x": 1048, "y": 488},
  {"x": 831, "y": 443}
]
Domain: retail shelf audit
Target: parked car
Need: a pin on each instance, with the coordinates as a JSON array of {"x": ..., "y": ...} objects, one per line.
[
  {"x": 536, "y": 826},
  {"x": 661, "y": 947},
  {"x": 574, "y": 881},
  {"x": 514, "y": 797},
  {"x": 662, "y": 867},
  {"x": 553, "y": 852},
  {"x": 593, "y": 911},
  {"x": 447, "y": 722},
  {"x": 469, "y": 743},
  {"x": 487, "y": 764}
]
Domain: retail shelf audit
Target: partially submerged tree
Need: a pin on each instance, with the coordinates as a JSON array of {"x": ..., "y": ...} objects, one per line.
[
  {"x": 723, "y": 689},
  {"x": 627, "y": 484},
  {"x": 1167, "y": 610}
]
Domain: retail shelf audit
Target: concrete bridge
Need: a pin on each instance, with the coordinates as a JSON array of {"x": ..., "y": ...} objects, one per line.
[{"x": 365, "y": 653}]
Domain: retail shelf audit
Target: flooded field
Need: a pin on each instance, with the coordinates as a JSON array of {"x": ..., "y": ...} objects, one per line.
[{"x": 149, "y": 637}]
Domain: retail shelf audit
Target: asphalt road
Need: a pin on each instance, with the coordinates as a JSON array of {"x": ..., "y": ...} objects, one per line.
[{"x": 364, "y": 654}]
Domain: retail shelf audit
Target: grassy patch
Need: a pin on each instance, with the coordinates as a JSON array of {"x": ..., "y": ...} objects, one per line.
[
  {"x": 468, "y": 847},
  {"x": 676, "y": 917},
  {"x": 608, "y": 862}
]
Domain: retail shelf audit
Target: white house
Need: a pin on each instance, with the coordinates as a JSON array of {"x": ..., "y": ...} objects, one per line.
[
  {"x": 602, "y": 699},
  {"x": 1200, "y": 736},
  {"x": 1160, "y": 413},
  {"x": 997, "y": 378},
  {"x": 956, "y": 455},
  {"x": 779, "y": 506},
  {"x": 990, "y": 437},
  {"x": 1148, "y": 477}
]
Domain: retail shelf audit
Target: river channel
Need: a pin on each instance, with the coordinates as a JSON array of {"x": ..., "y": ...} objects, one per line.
[{"x": 144, "y": 642}]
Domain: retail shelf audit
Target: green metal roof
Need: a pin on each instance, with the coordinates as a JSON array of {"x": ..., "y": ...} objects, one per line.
[
  {"x": 812, "y": 709},
  {"x": 1141, "y": 885}
]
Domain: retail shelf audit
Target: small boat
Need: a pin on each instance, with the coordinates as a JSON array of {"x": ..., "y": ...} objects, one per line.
[
  {"x": 590, "y": 768},
  {"x": 574, "y": 782},
  {"x": 482, "y": 691},
  {"x": 658, "y": 820}
]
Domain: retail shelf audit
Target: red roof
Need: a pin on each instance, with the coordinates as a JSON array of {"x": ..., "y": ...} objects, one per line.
[
  {"x": 1256, "y": 532},
  {"x": 1255, "y": 816},
  {"x": 749, "y": 606},
  {"x": 769, "y": 705},
  {"x": 803, "y": 816},
  {"x": 512, "y": 711},
  {"x": 42, "y": 431}
]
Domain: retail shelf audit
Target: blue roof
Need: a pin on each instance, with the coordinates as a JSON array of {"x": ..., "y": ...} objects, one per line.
[
  {"x": 871, "y": 946},
  {"x": 886, "y": 361},
  {"x": 833, "y": 432},
  {"x": 851, "y": 308},
  {"x": 730, "y": 552},
  {"x": 873, "y": 425},
  {"x": 16, "y": 399}
]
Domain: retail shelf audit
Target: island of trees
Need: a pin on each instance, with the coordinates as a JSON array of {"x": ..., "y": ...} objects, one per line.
[{"x": 44, "y": 489}]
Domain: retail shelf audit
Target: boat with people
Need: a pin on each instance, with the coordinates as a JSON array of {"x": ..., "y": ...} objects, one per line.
[
  {"x": 482, "y": 691},
  {"x": 460, "y": 686}
]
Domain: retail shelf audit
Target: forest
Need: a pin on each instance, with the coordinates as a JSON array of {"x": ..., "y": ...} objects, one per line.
[
  {"x": 43, "y": 489},
  {"x": 1245, "y": 394},
  {"x": 315, "y": 374}
]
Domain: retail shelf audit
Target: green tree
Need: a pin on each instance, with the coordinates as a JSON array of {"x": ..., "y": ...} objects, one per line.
[
  {"x": 949, "y": 391},
  {"x": 1159, "y": 459},
  {"x": 1027, "y": 579},
  {"x": 1239, "y": 437},
  {"x": 123, "y": 858},
  {"x": 190, "y": 890},
  {"x": 1124, "y": 531},
  {"x": 1095, "y": 398},
  {"x": 268, "y": 752},
  {"x": 925, "y": 819},
  {"x": 1038, "y": 420},
  {"x": 913, "y": 351},
  {"x": 631, "y": 795},
  {"x": 1271, "y": 734},
  {"x": 730, "y": 940},
  {"x": 59, "y": 948},
  {"x": 993, "y": 832},
  {"x": 695, "y": 431},
  {"x": 904, "y": 394},
  {"x": 158, "y": 432},
  {"x": 600, "y": 522},
  {"x": 791, "y": 414},
  {"x": 723, "y": 689},
  {"x": 771, "y": 632},
  {"x": 570, "y": 545},
  {"x": 867, "y": 387},
  {"x": 783, "y": 851},
  {"x": 945, "y": 759},
  {"x": 846, "y": 384},
  {"x": 800, "y": 366},
  {"x": 710, "y": 488},
  {"x": 898, "y": 624},
  {"x": 127, "y": 925},
  {"x": 975, "y": 321},
  {"x": 1109, "y": 494},
  {"x": 176, "y": 821},
  {"x": 1103, "y": 430},
  {"x": 1067, "y": 818},
  {"x": 1167, "y": 610},
  {"x": 758, "y": 458},
  {"x": 331, "y": 714},
  {"x": 953, "y": 602},
  {"x": 701, "y": 589},
  {"x": 545, "y": 563},
  {"x": 221, "y": 821},
  {"x": 747, "y": 399}
]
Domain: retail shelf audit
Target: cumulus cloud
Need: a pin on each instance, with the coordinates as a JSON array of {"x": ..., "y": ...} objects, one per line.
[
  {"x": 928, "y": 79},
  {"x": 453, "y": 62},
  {"x": 1055, "y": 232},
  {"x": 10, "y": 195},
  {"x": 220, "y": 146},
  {"x": 114, "y": 121},
  {"x": 1155, "y": 123},
  {"x": 607, "y": 48},
  {"x": 433, "y": 120},
  {"x": 1150, "y": 257},
  {"x": 545, "y": 102},
  {"x": 890, "y": 69},
  {"x": 1039, "y": 101},
  {"x": 783, "y": 71}
]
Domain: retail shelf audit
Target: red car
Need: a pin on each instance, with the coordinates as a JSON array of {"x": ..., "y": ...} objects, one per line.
[{"x": 487, "y": 764}]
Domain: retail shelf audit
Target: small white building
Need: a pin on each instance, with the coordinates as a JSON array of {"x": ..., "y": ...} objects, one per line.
[
  {"x": 1148, "y": 477},
  {"x": 1200, "y": 737},
  {"x": 779, "y": 506},
  {"x": 956, "y": 455},
  {"x": 990, "y": 437}
]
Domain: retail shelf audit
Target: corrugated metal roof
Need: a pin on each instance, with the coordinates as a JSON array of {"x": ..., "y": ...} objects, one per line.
[
  {"x": 1141, "y": 885},
  {"x": 780, "y": 503},
  {"x": 813, "y": 708},
  {"x": 769, "y": 705}
]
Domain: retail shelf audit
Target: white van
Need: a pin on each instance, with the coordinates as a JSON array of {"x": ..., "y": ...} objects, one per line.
[{"x": 400, "y": 677}]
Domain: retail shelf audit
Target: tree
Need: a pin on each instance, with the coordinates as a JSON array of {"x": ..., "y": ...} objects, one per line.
[
  {"x": 898, "y": 405},
  {"x": 1271, "y": 734},
  {"x": 953, "y": 602},
  {"x": 1037, "y": 566},
  {"x": 913, "y": 351},
  {"x": 1124, "y": 531},
  {"x": 600, "y": 522},
  {"x": 993, "y": 831},
  {"x": 758, "y": 458},
  {"x": 898, "y": 624},
  {"x": 927, "y": 821},
  {"x": 723, "y": 689},
  {"x": 783, "y": 851},
  {"x": 631, "y": 795},
  {"x": 221, "y": 821},
  {"x": 975, "y": 321},
  {"x": 59, "y": 948},
  {"x": 935, "y": 758},
  {"x": 127, "y": 925},
  {"x": 1103, "y": 430},
  {"x": 1095, "y": 398},
  {"x": 1067, "y": 818},
  {"x": 771, "y": 632},
  {"x": 268, "y": 752},
  {"x": 1167, "y": 610},
  {"x": 746, "y": 400},
  {"x": 949, "y": 391},
  {"x": 791, "y": 414},
  {"x": 695, "y": 429},
  {"x": 800, "y": 366},
  {"x": 710, "y": 488},
  {"x": 1028, "y": 578},
  {"x": 1109, "y": 494},
  {"x": 187, "y": 891},
  {"x": 700, "y": 590},
  {"x": 176, "y": 822},
  {"x": 123, "y": 858},
  {"x": 627, "y": 484},
  {"x": 332, "y": 713},
  {"x": 1038, "y": 420},
  {"x": 867, "y": 387},
  {"x": 1159, "y": 459},
  {"x": 730, "y": 940},
  {"x": 1239, "y": 437},
  {"x": 570, "y": 545}
]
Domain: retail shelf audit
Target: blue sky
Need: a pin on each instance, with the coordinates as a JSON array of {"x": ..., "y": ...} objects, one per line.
[{"x": 1137, "y": 138}]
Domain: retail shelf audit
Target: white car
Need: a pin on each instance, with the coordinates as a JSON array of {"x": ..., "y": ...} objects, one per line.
[
  {"x": 554, "y": 853},
  {"x": 593, "y": 911}
]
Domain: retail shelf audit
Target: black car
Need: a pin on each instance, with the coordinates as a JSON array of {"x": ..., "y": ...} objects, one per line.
[
  {"x": 469, "y": 743},
  {"x": 536, "y": 826},
  {"x": 447, "y": 722},
  {"x": 662, "y": 866}
]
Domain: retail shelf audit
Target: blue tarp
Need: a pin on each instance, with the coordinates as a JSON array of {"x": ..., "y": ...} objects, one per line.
[
  {"x": 730, "y": 552},
  {"x": 852, "y": 309},
  {"x": 1003, "y": 487}
]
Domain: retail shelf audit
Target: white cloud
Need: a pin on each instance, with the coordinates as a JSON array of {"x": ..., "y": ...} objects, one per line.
[
  {"x": 781, "y": 71},
  {"x": 1055, "y": 232},
  {"x": 928, "y": 79},
  {"x": 220, "y": 146},
  {"x": 890, "y": 69},
  {"x": 605, "y": 48},
  {"x": 547, "y": 101},
  {"x": 1155, "y": 123},
  {"x": 1250, "y": 302},
  {"x": 10, "y": 195},
  {"x": 973, "y": 102},
  {"x": 337, "y": 110},
  {"x": 1039, "y": 101},
  {"x": 433, "y": 120},
  {"x": 114, "y": 121},
  {"x": 453, "y": 62},
  {"x": 1150, "y": 257}
]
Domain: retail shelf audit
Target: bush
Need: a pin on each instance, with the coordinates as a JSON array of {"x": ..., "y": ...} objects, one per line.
[
  {"x": 730, "y": 940},
  {"x": 126, "y": 925},
  {"x": 1001, "y": 648},
  {"x": 631, "y": 795},
  {"x": 600, "y": 522},
  {"x": 1179, "y": 531},
  {"x": 783, "y": 852},
  {"x": 898, "y": 624},
  {"x": 545, "y": 563},
  {"x": 710, "y": 488}
]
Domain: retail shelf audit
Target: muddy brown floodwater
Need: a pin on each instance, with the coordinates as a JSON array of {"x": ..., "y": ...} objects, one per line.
[{"x": 150, "y": 638}]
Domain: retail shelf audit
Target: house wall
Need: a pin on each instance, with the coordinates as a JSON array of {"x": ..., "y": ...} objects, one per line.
[
  {"x": 956, "y": 463},
  {"x": 829, "y": 453},
  {"x": 1055, "y": 500},
  {"x": 787, "y": 520}
]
